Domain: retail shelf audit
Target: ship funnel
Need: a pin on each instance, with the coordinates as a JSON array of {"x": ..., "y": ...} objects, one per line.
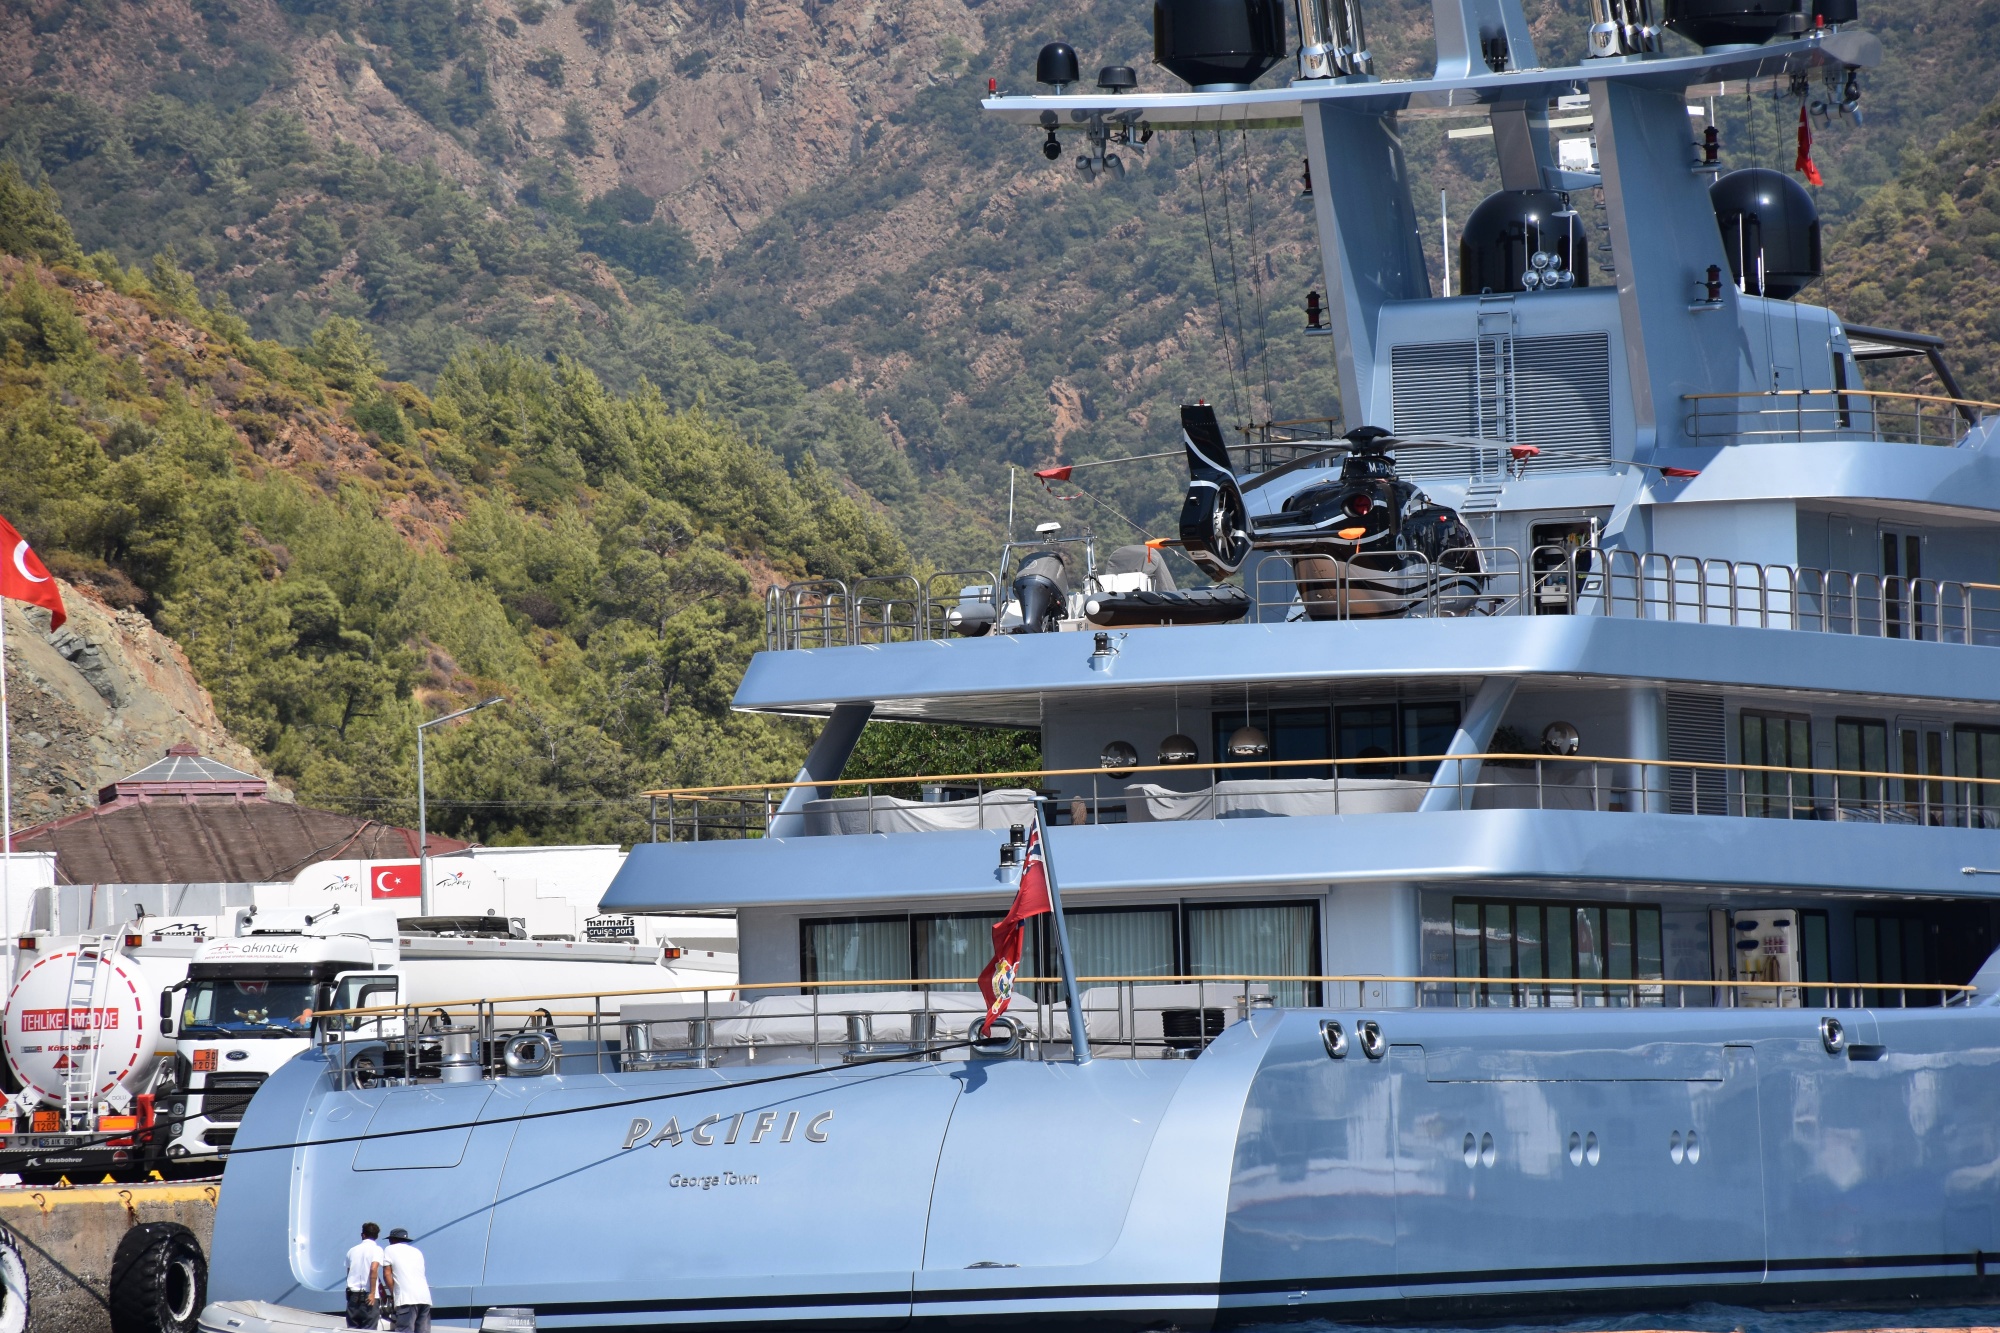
[{"x": 1332, "y": 42}]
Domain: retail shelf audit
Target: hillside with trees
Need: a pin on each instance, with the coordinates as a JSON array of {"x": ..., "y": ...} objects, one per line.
[{"x": 340, "y": 554}]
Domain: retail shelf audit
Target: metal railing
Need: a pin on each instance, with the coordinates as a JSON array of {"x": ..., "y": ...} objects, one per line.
[
  {"x": 931, "y": 1019},
  {"x": 1644, "y": 585},
  {"x": 1653, "y": 586},
  {"x": 1786, "y": 415},
  {"x": 1393, "y": 785},
  {"x": 1393, "y": 586}
]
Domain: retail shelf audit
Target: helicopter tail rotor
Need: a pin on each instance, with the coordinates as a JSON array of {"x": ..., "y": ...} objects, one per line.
[{"x": 1215, "y": 523}]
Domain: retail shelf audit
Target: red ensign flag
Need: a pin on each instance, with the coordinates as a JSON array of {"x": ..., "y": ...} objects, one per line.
[
  {"x": 996, "y": 983},
  {"x": 25, "y": 578}
]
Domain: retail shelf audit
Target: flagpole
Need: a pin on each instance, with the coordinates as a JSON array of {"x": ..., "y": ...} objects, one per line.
[
  {"x": 6, "y": 807},
  {"x": 1079, "y": 1039}
]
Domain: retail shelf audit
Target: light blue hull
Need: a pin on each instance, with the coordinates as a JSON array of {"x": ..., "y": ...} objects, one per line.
[{"x": 1487, "y": 1161}]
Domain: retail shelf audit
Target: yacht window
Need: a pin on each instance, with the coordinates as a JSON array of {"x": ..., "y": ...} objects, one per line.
[
  {"x": 1860, "y": 745},
  {"x": 857, "y": 949},
  {"x": 1367, "y": 731},
  {"x": 1978, "y": 757},
  {"x": 1258, "y": 940},
  {"x": 1117, "y": 942},
  {"x": 1428, "y": 729},
  {"x": 1511, "y": 946},
  {"x": 1781, "y": 740},
  {"x": 1814, "y": 964},
  {"x": 1294, "y": 733},
  {"x": 1893, "y": 948},
  {"x": 1921, "y": 748},
  {"x": 956, "y": 945}
]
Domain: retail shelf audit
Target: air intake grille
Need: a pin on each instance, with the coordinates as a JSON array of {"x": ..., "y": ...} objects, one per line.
[
  {"x": 1695, "y": 735},
  {"x": 227, "y": 1096},
  {"x": 1552, "y": 392}
]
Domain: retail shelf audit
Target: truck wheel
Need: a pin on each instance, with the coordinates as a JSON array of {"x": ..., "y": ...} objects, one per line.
[
  {"x": 14, "y": 1304},
  {"x": 159, "y": 1280}
]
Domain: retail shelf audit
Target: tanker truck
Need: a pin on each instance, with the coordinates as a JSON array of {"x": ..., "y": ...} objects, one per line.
[{"x": 160, "y": 1034}]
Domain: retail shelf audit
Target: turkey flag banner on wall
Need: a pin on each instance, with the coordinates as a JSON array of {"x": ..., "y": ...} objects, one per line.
[
  {"x": 402, "y": 880},
  {"x": 25, "y": 578},
  {"x": 996, "y": 983}
]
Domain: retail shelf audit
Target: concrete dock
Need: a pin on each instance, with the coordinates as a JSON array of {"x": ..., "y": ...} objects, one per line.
[{"x": 69, "y": 1235}]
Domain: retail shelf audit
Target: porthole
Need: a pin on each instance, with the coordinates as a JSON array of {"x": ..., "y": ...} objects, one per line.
[
  {"x": 1693, "y": 1148},
  {"x": 1486, "y": 1150},
  {"x": 1575, "y": 1148},
  {"x": 1674, "y": 1148},
  {"x": 1471, "y": 1151},
  {"x": 1590, "y": 1153}
]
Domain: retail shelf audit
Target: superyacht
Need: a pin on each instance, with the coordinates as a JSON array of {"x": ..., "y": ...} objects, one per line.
[{"x": 1545, "y": 867}]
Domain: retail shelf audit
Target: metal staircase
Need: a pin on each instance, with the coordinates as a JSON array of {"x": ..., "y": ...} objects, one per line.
[{"x": 80, "y": 1028}]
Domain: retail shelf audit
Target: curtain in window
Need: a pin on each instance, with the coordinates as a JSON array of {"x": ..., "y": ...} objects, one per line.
[
  {"x": 1273, "y": 939},
  {"x": 955, "y": 946},
  {"x": 1122, "y": 944},
  {"x": 865, "y": 949}
]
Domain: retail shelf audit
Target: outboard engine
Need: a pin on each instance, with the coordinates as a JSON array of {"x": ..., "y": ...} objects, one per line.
[
  {"x": 1372, "y": 545},
  {"x": 1770, "y": 227},
  {"x": 1041, "y": 588}
]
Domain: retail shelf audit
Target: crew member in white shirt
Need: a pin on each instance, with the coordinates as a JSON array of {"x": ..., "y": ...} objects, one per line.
[
  {"x": 364, "y": 1278},
  {"x": 403, "y": 1273}
]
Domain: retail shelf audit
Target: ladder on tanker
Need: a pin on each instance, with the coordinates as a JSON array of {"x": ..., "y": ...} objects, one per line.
[{"x": 81, "y": 1018}]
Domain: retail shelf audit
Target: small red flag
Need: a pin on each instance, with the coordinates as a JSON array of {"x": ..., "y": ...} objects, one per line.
[
  {"x": 25, "y": 578},
  {"x": 996, "y": 983},
  {"x": 1053, "y": 473},
  {"x": 1805, "y": 162}
]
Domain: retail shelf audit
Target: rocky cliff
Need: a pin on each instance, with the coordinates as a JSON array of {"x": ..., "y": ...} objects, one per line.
[{"x": 101, "y": 697}]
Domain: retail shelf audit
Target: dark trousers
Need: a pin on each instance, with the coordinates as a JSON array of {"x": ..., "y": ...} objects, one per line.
[
  {"x": 413, "y": 1319},
  {"x": 360, "y": 1310}
]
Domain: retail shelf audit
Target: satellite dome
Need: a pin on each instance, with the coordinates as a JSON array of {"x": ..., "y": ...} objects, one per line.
[
  {"x": 1770, "y": 229},
  {"x": 1218, "y": 45}
]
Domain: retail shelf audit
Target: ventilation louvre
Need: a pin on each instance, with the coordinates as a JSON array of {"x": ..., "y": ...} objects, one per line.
[
  {"x": 1697, "y": 734},
  {"x": 1553, "y": 392}
]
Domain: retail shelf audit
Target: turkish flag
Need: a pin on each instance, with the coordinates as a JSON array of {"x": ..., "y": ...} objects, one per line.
[
  {"x": 403, "y": 880},
  {"x": 25, "y": 578}
]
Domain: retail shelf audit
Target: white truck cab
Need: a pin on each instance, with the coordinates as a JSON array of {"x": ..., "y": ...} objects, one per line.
[{"x": 246, "y": 1008}]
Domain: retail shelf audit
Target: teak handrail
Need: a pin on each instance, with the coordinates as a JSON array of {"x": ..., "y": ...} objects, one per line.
[
  {"x": 1233, "y": 979},
  {"x": 693, "y": 793}
]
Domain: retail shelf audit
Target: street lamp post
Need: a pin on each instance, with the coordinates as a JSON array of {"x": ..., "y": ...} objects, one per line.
[{"x": 423, "y": 820}]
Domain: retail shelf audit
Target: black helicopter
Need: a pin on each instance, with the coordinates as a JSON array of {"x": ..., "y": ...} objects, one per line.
[{"x": 1367, "y": 545}]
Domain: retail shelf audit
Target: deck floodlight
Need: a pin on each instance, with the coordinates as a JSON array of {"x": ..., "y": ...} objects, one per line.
[
  {"x": 1561, "y": 738},
  {"x": 1119, "y": 758}
]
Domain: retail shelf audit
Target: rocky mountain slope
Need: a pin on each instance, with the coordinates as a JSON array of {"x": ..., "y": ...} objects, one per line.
[
  {"x": 340, "y": 555},
  {"x": 914, "y": 295},
  {"x": 100, "y": 698}
]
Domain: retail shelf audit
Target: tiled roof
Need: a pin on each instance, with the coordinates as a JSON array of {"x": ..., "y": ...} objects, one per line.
[{"x": 190, "y": 820}]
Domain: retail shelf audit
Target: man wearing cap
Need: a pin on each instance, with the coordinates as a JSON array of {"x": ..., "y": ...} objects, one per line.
[
  {"x": 403, "y": 1275},
  {"x": 364, "y": 1278}
]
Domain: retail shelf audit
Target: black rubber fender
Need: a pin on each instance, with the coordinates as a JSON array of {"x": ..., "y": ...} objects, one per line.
[
  {"x": 15, "y": 1305},
  {"x": 159, "y": 1280}
]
